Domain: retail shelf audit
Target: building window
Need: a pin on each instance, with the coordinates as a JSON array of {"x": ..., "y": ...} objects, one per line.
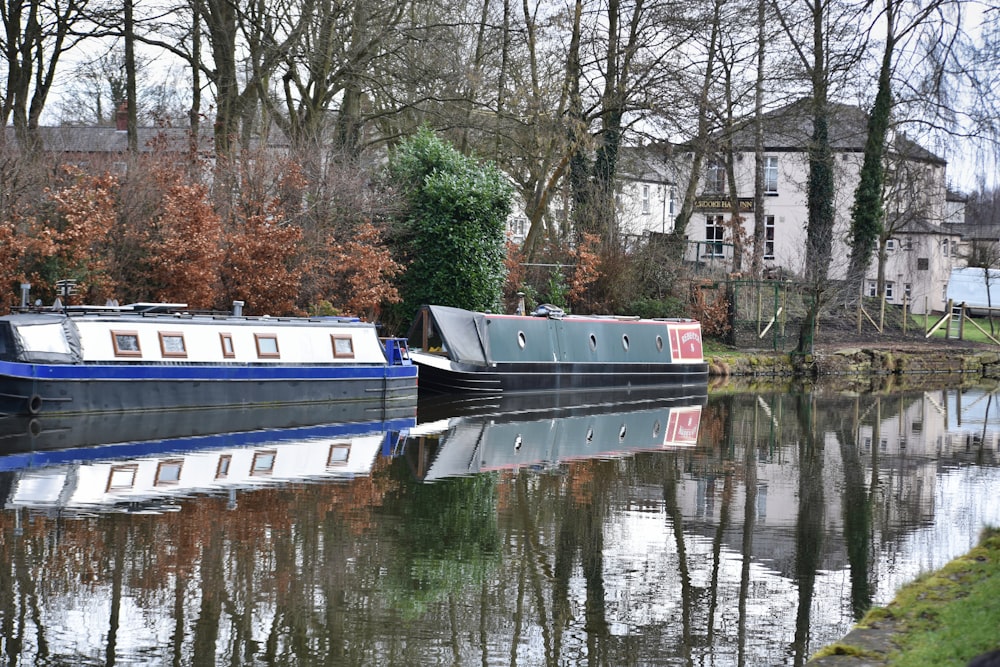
[
  {"x": 516, "y": 227},
  {"x": 768, "y": 237},
  {"x": 715, "y": 177},
  {"x": 907, "y": 244},
  {"x": 889, "y": 290},
  {"x": 645, "y": 200},
  {"x": 714, "y": 233},
  {"x": 771, "y": 175},
  {"x": 944, "y": 247},
  {"x": 944, "y": 292},
  {"x": 922, "y": 264},
  {"x": 872, "y": 288},
  {"x": 890, "y": 244},
  {"x": 908, "y": 291},
  {"x": 673, "y": 199}
]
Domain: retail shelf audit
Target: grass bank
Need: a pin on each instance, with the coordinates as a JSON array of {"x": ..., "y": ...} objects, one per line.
[{"x": 942, "y": 619}]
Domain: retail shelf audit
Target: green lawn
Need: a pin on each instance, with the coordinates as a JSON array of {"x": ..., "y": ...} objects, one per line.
[
  {"x": 944, "y": 618},
  {"x": 971, "y": 333}
]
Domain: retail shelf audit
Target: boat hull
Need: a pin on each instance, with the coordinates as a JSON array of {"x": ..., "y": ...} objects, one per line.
[
  {"x": 353, "y": 393},
  {"x": 446, "y": 377}
]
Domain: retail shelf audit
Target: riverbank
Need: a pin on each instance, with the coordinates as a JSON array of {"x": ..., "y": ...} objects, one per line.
[
  {"x": 944, "y": 618},
  {"x": 859, "y": 361}
]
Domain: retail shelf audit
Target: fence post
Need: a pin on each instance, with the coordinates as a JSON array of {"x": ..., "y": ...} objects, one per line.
[
  {"x": 961, "y": 321},
  {"x": 760, "y": 306},
  {"x": 777, "y": 312},
  {"x": 905, "y": 303},
  {"x": 881, "y": 314},
  {"x": 861, "y": 303}
]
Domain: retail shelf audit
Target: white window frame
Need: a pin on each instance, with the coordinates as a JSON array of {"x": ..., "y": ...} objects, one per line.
[
  {"x": 770, "y": 175},
  {"x": 715, "y": 233},
  {"x": 871, "y": 288},
  {"x": 644, "y": 199},
  {"x": 769, "y": 237},
  {"x": 715, "y": 177},
  {"x": 890, "y": 289}
]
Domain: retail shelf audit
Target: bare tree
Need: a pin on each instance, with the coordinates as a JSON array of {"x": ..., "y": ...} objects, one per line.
[
  {"x": 823, "y": 36},
  {"x": 36, "y": 35}
]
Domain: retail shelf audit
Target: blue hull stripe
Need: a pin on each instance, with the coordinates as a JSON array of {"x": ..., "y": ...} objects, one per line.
[{"x": 202, "y": 373}]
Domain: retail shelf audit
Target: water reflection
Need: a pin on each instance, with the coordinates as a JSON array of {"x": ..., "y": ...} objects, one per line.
[{"x": 746, "y": 529}]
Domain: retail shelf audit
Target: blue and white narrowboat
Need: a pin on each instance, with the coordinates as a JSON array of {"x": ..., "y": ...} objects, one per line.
[
  {"x": 160, "y": 357},
  {"x": 460, "y": 351}
]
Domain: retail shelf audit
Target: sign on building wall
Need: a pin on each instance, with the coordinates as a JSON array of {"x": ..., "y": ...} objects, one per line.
[{"x": 722, "y": 204}]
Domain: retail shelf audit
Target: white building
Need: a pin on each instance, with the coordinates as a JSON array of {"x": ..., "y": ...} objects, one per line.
[{"x": 921, "y": 252}]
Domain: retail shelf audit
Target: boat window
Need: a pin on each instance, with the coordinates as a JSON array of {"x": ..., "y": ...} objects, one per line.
[
  {"x": 126, "y": 343},
  {"x": 621, "y": 433},
  {"x": 656, "y": 428},
  {"x": 222, "y": 470},
  {"x": 343, "y": 346},
  {"x": 169, "y": 472},
  {"x": 44, "y": 338},
  {"x": 593, "y": 342},
  {"x": 659, "y": 343},
  {"x": 228, "y": 351},
  {"x": 122, "y": 477},
  {"x": 263, "y": 462},
  {"x": 172, "y": 344},
  {"x": 625, "y": 342},
  {"x": 338, "y": 454},
  {"x": 267, "y": 346},
  {"x": 521, "y": 340}
]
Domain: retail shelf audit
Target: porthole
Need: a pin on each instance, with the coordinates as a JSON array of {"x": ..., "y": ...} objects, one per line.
[
  {"x": 659, "y": 343},
  {"x": 521, "y": 339},
  {"x": 593, "y": 342},
  {"x": 625, "y": 342}
]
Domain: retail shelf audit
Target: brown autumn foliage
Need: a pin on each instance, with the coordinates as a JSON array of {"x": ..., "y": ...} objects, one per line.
[
  {"x": 587, "y": 267},
  {"x": 516, "y": 274},
  {"x": 711, "y": 308},
  {"x": 361, "y": 272},
  {"x": 84, "y": 215},
  {"x": 184, "y": 245}
]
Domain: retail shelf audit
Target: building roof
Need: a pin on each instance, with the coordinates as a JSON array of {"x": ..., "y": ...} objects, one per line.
[
  {"x": 790, "y": 128},
  {"x": 921, "y": 226},
  {"x": 108, "y": 140}
]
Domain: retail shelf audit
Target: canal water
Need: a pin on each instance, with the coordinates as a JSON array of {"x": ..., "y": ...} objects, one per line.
[{"x": 745, "y": 528}]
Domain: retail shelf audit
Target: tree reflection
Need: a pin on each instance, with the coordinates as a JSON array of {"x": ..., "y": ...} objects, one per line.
[
  {"x": 809, "y": 524},
  {"x": 623, "y": 558}
]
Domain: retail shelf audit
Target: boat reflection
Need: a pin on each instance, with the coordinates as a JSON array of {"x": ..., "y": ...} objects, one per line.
[
  {"x": 145, "y": 462},
  {"x": 539, "y": 433}
]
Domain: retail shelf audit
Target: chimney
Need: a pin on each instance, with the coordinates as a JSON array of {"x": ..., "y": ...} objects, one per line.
[{"x": 121, "y": 117}]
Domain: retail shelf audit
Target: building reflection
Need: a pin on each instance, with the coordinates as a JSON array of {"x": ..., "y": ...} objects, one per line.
[{"x": 749, "y": 528}]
